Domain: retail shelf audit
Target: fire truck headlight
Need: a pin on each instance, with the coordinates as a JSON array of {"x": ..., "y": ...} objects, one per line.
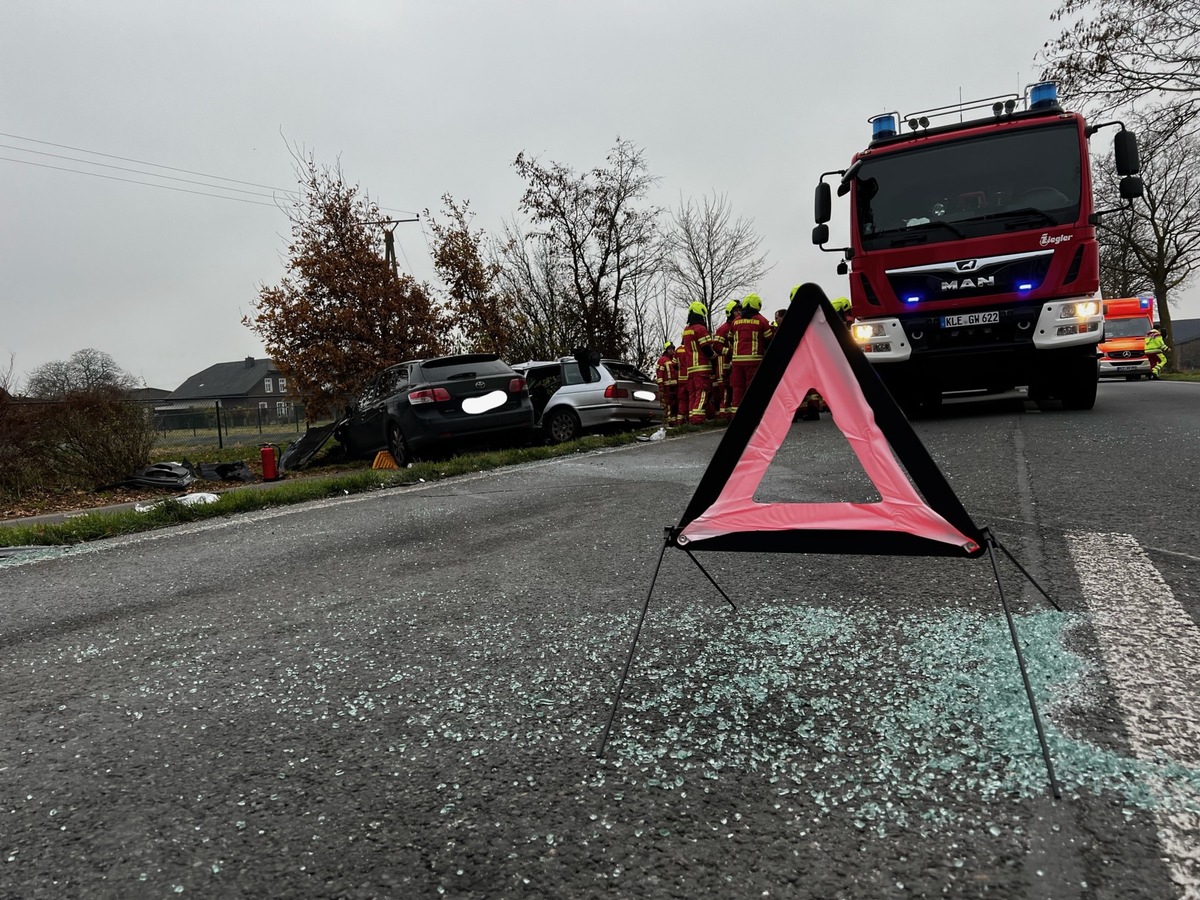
[
  {"x": 868, "y": 330},
  {"x": 1081, "y": 310}
]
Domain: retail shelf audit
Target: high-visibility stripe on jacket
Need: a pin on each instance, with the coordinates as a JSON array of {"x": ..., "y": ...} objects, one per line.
[
  {"x": 724, "y": 348},
  {"x": 664, "y": 370},
  {"x": 697, "y": 347},
  {"x": 750, "y": 334}
]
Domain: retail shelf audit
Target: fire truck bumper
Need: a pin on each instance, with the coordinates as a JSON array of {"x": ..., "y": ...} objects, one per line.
[{"x": 1068, "y": 323}]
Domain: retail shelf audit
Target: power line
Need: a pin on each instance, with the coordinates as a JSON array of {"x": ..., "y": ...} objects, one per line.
[
  {"x": 140, "y": 172},
  {"x": 140, "y": 162},
  {"x": 165, "y": 187}
]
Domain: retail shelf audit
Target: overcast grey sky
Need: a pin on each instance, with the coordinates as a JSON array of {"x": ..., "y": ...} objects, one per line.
[{"x": 752, "y": 100}]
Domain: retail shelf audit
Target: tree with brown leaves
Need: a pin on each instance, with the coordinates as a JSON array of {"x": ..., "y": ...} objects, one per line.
[
  {"x": 342, "y": 312},
  {"x": 482, "y": 317}
]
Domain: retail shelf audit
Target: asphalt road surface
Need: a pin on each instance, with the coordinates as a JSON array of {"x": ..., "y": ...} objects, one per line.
[{"x": 401, "y": 694}]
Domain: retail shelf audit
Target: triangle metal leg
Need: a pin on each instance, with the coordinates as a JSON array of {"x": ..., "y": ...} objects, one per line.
[
  {"x": 612, "y": 716},
  {"x": 1012, "y": 630},
  {"x": 1031, "y": 579},
  {"x": 709, "y": 577}
]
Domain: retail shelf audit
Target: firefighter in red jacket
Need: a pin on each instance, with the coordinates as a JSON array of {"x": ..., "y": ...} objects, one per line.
[
  {"x": 722, "y": 388},
  {"x": 668, "y": 383},
  {"x": 681, "y": 383},
  {"x": 749, "y": 332},
  {"x": 698, "y": 349}
]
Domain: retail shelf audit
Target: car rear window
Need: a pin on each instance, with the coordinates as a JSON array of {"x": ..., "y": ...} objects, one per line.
[
  {"x": 625, "y": 372},
  {"x": 464, "y": 367}
]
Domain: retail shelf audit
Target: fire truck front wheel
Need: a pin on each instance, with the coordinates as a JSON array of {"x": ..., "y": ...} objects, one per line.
[
  {"x": 1069, "y": 377},
  {"x": 1079, "y": 380}
]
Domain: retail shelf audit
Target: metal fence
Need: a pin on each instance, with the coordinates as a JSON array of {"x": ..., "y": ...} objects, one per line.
[{"x": 213, "y": 423}]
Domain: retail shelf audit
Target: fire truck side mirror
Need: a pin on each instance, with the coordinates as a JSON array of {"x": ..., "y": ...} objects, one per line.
[
  {"x": 1130, "y": 187},
  {"x": 1126, "y": 152},
  {"x": 821, "y": 234},
  {"x": 823, "y": 206}
]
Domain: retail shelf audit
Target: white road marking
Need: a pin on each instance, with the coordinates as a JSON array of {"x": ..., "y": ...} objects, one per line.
[{"x": 1151, "y": 653}]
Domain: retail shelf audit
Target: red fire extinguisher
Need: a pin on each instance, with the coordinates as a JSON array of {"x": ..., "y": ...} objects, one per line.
[{"x": 269, "y": 468}]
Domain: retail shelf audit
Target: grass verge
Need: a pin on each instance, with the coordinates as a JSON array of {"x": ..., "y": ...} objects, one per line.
[{"x": 93, "y": 526}]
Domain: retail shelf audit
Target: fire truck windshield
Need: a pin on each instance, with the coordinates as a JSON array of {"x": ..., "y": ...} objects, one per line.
[{"x": 993, "y": 184}]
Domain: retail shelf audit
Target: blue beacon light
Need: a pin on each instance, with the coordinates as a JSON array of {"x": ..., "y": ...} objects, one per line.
[
  {"x": 913, "y": 299},
  {"x": 1025, "y": 286},
  {"x": 1043, "y": 95},
  {"x": 884, "y": 126}
]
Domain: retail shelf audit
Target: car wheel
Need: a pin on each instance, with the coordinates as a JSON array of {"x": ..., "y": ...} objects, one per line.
[
  {"x": 397, "y": 447},
  {"x": 563, "y": 425}
]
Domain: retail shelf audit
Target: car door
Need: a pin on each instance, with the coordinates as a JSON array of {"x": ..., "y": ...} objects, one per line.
[
  {"x": 543, "y": 382},
  {"x": 366, "y": 432},
  {"x": 586, "y": 397}
]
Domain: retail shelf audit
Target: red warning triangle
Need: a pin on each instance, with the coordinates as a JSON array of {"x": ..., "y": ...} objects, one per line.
[{"x": 813, "y": 349}]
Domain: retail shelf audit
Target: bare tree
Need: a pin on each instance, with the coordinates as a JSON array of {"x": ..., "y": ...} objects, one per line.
[
  {"x": 539, "y": 305},
  {"x": 1157, "y": 241},
  {"x": 87, "y": 370},
  {"x": 710, "y": 256},
  {"x": 596, "y": 226},
  {"x": 1118, "y": 52}
]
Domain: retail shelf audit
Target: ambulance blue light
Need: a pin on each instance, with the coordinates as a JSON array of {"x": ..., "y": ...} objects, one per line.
[
  {"x": 1144, "y": 302},
  {"x": 1043, "y": 95},
  {"x": 883, "y": 126}
]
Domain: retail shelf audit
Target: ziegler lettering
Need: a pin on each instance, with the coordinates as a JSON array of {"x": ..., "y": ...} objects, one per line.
[
  {"x": 1048, "y": 239},
  {"x": 965, "y": 283}
]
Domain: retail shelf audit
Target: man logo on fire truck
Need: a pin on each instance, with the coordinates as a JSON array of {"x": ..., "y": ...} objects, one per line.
[{"x": 973, "y": 259}]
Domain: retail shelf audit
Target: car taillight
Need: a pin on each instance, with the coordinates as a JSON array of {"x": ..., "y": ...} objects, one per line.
[
  {"x": 516, "y": 385},
  {"x": 612, "y": 392},
  {"x": 429, "y": 395}
]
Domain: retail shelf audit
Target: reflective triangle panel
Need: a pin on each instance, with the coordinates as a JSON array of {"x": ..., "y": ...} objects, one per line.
[{"x": 813, "y": 349}]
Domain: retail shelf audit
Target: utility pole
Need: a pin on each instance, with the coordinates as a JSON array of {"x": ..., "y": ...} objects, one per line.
[{"x": 389, "y": 241}]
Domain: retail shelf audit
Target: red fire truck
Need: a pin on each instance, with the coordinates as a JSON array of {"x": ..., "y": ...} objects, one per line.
[{"x": 973, "y": 260}]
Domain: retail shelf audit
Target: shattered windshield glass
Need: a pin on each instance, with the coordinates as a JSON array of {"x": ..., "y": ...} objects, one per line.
[{"x": 995, "y": 184}]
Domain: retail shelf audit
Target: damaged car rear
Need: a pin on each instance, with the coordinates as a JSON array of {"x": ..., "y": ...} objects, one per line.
[{"x": 426, "y": 406}]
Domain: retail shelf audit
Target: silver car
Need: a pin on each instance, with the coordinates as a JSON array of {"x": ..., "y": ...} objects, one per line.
[{"x": 569, "y": 399}]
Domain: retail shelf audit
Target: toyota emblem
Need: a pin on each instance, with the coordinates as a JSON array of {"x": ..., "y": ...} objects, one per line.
[{"x": 481, "y": 384}]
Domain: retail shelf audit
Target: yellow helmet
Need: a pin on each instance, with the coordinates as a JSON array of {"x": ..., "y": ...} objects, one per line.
[
  {"x": 795, "y": 290},
  {"x": 698, "y": 308},
  {"x": 667, "y": 345},
  {"x": 752, "y": 301},
  {"x": 840, "y": 304}
]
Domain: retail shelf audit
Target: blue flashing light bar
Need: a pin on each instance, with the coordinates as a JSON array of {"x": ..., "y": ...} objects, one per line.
[
  {"x": 1144, "y": 302},
  {"x": 1025, "y": 286},
  {"x": 913, "y": 299},
  {"x": 884, "y": 126},
  {"x": 1043, "y": 95}
]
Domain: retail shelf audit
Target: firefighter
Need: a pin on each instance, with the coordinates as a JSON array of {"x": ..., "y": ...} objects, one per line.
[
  {"x": 722, "y": 388},
  {"x": 668, "y": 382},
  {"x": 698, "y": 350},
  {"x": 750, "y": 333},
  {"x": 1156, "y": 352},
  {"x": 681, "y": 383},
  {"x": 841, "y": 306}
]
